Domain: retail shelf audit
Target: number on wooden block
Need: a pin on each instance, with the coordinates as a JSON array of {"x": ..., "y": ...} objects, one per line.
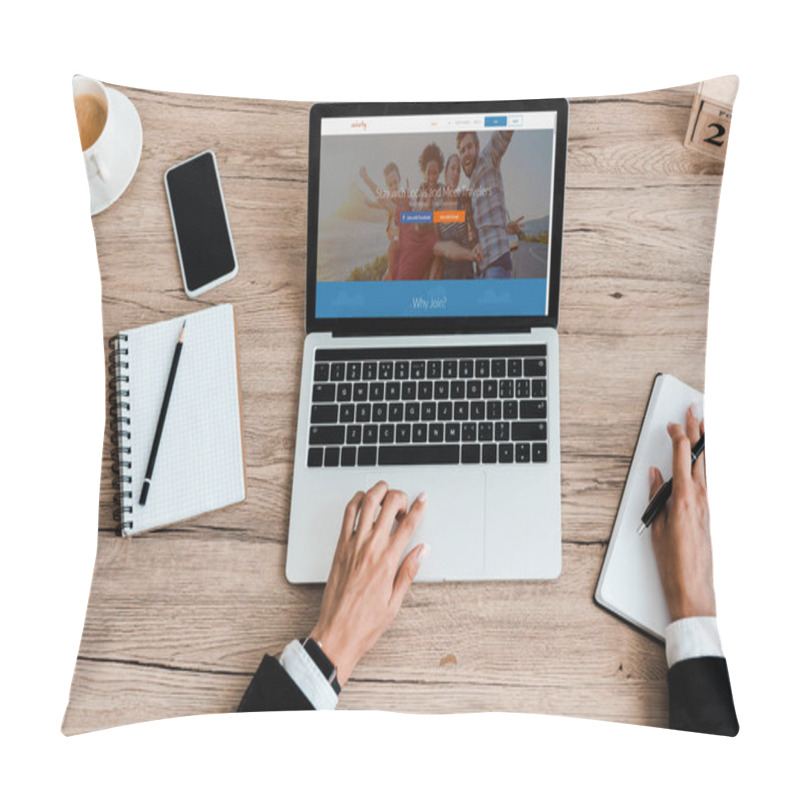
[{"x": 709, "y": 126}]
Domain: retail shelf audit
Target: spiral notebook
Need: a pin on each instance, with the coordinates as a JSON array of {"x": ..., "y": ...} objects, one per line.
[
  {"x": 200, "y": 462},
  {"x": 629, "y": 584}
]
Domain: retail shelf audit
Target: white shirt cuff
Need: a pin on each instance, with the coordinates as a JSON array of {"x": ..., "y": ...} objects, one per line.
[
  {"x": 692, "y": 637},
  {"x": 305, "y": 673}
]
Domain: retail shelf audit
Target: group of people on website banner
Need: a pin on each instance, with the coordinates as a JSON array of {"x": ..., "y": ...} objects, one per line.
[{"x": 466, "y": 235}]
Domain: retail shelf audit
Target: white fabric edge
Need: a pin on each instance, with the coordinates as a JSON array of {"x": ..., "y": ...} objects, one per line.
[
  {"x": 306, "y": 674},
  {"x": 692, "y": 637}
]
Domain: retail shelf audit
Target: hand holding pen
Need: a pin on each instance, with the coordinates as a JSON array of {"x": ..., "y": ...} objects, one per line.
[
  {"x": 659, "y": 500},
  {"x": 680, "y": 534}
]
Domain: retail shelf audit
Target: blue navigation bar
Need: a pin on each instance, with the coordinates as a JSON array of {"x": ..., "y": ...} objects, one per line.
[
  {"x": 441, "y": 298},
  {"x": 495, "y": 122}
]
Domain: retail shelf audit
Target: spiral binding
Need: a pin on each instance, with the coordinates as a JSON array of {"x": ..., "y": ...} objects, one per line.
[{"x": 119, "y": 425}]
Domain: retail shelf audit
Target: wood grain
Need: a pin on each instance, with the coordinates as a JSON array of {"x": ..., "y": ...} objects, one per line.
[{"x": 179, "y": 619}]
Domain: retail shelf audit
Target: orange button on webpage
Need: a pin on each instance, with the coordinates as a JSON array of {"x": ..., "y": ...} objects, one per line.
[{"x": 454, "y": 215}]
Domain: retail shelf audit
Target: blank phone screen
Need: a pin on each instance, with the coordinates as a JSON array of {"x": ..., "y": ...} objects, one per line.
[{"x": 200, "y": 222}]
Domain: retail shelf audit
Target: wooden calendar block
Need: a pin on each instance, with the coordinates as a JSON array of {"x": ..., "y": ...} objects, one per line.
[{"x": 709, "y": 126}]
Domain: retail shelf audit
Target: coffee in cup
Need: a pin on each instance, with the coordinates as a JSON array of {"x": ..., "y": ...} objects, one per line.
[
  {"x": 94, "y": 125},
  {"x": 111, "y": 139},
  {"x": 92, "y": 113}
]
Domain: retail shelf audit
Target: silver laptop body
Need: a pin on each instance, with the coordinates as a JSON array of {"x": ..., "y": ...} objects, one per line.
[{"x": 494, "y": 499}]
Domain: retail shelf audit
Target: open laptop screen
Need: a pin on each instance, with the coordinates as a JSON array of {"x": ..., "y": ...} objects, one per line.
[{"x": 436, "y": 215}]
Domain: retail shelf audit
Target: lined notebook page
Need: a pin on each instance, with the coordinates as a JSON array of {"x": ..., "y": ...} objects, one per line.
[
  {"x": 200, "y": 463},
  {"x": 629, "y": 583}
]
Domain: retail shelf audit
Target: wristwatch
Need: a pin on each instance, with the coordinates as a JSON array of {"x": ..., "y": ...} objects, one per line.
[{"x": 324, "y": 664}]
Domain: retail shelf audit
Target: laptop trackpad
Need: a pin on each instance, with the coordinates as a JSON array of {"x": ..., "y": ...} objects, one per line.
[{"x": 453, "y": 523}]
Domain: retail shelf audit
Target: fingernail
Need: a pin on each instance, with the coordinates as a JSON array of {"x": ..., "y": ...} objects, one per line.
[
  {"x": 422, "y": 498},
  {"x": 694, "y": 411},
  {"x": 652, "y": 474},
  {"x": 423, "y": 553}
]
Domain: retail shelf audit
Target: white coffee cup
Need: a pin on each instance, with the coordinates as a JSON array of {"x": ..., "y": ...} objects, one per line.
[
  {"x": 111, "y": 139},
  {"x": 95, "y": 125}
]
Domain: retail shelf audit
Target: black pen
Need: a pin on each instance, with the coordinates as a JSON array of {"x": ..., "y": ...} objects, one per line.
[
  {"x": 662, "y": 495},
  {"x": 161, "y": 417}
]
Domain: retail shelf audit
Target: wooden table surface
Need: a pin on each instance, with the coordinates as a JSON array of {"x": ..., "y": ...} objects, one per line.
[{"x": 178, "y": 619}]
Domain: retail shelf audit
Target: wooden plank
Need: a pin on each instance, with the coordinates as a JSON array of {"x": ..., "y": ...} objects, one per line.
[
  {"x": 175, "y": 622},
  {"x": 105, "y": 694}
]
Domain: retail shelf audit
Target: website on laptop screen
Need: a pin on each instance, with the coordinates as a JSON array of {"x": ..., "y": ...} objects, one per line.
[{"x": 435, "y": 216}]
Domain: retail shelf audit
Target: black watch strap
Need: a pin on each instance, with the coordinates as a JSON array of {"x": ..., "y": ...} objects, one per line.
[{"x": 326, "y": 667}]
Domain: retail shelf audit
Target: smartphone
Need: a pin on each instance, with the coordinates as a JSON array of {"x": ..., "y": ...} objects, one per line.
[{"x": 200, "y": 222}]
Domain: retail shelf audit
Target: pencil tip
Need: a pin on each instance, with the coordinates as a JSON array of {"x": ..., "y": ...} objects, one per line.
[
  {"x": 641, "y": 528},
  {"x": 183, "y": 329}
]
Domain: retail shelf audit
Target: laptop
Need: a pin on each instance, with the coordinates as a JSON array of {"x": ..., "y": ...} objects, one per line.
[{"x": 431, "y": 356}]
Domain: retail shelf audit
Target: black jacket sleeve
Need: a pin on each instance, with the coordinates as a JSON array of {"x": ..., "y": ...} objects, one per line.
[
  {"x": 700, "y": 697},
  {"x": 273, "y": 690}
]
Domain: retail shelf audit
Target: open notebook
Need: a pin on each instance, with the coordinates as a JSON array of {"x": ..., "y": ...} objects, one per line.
[
  {"x": 629, "y": 584},
  {"x": 200, "y": 463}
]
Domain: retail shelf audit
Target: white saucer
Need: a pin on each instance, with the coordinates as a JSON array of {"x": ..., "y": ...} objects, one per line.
[{"x": 123, "y": 162}]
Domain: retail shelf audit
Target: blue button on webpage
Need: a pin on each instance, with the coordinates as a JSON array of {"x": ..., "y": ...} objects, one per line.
[
  {"x": 408, "y": 217},
  {"x": 495, "y": 122}
]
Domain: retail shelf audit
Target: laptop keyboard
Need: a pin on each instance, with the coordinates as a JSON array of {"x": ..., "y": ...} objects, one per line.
[{"x": 446, "y": 405}]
